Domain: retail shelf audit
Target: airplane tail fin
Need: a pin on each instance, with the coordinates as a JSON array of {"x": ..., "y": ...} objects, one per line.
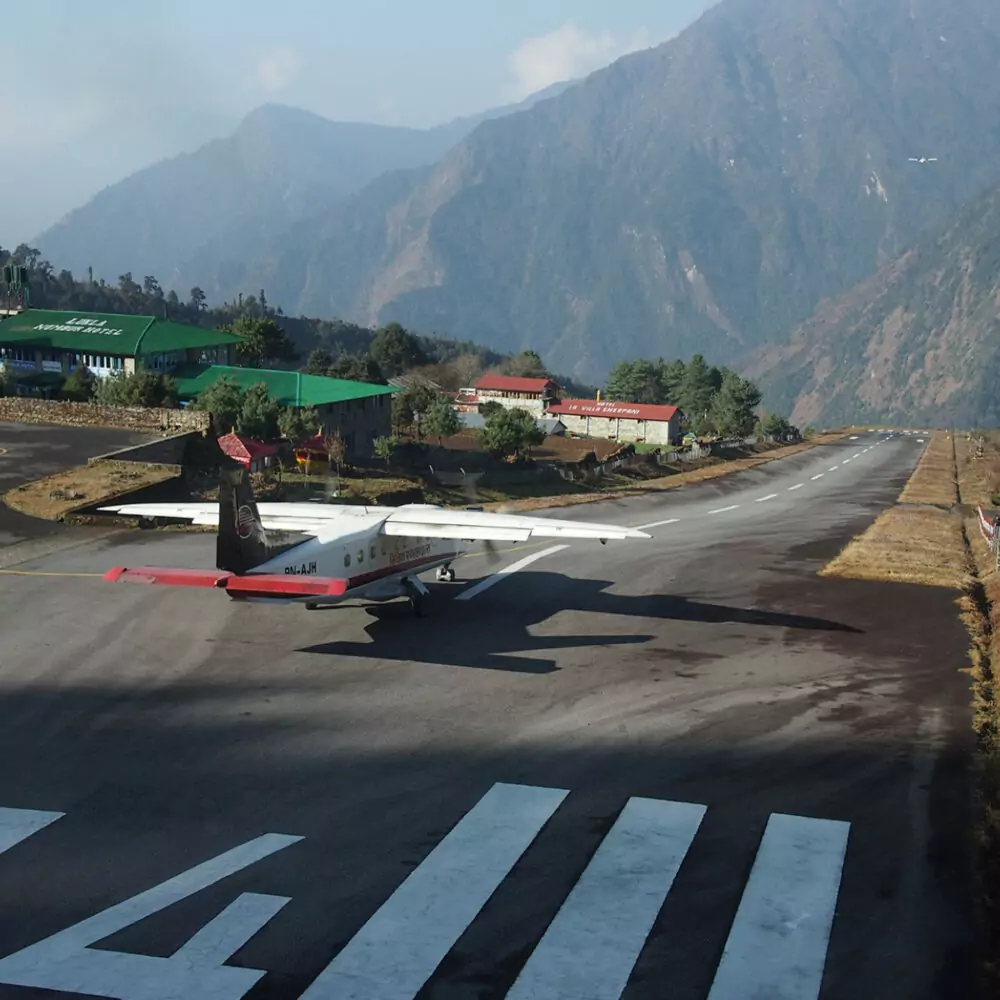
[{"x": 242, "y": 542}]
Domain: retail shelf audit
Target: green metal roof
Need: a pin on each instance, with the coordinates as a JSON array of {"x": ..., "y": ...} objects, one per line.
[
  {"x": 288, "y": 388},
  {"x": 106, "y": 333}
]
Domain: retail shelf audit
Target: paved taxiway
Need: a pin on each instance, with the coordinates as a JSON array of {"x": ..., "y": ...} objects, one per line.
[
  {"x": 686, "y": 767},
  {"x": 33, "y": 451}
]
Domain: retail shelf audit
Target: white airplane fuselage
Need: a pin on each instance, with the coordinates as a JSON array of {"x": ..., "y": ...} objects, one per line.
[{"x": 375, "y": 566}]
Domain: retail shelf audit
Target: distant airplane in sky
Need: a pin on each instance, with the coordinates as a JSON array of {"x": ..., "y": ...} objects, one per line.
[{"x": 923, "y": 159}]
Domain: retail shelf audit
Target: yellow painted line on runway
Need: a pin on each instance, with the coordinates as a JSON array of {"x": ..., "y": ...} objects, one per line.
[
  {"x": 3, "y": 451},
  {"x": 500, "y": 552},
  {"x": 39, "y": 572}
]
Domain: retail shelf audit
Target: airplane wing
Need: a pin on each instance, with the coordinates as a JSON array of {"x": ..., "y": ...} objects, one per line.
[
  {"x": 330, "y": 520},
  {"x": 306, "y": 518},
  {"x": 473, "y": 525}
]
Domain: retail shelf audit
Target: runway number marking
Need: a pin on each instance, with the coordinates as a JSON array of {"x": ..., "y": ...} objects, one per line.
[
  {"x": 492, "y": 581},
  {"x": 397, "y": 951},
  {"x": 67, "y": 962},
  {"x": 778, "y": 942},
  {"x": 20, "y": 824},
  {"x": 776, "y": 947}
]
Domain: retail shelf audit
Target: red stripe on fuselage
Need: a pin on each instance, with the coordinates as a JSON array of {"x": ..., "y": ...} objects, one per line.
[{"x": 400, "y": 568}]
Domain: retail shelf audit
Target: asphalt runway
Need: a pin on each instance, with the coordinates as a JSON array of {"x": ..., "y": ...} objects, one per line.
[
  {"x": 33, "y": 451},
  {"x": 688, "y": 767}
]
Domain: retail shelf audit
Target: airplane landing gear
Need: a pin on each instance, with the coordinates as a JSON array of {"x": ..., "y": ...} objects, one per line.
[
  {"x": 445, "y": 574},
  {"x": 417, "y": 592}
]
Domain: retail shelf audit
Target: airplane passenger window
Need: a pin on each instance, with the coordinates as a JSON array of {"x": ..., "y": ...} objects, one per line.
[
  {"x": 347, "y": 558},
  {"x": 361, "y": 555},
  {"x": 372, "y": 553}
]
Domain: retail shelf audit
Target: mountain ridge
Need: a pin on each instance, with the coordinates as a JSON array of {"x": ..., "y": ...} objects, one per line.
[
  {"x": 702, "y": 195},
  {"x": 919, "y": 341},
  {"x": 215, "y": 204}
]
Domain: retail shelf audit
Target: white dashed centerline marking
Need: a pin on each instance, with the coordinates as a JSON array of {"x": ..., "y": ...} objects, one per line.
[
  {"x": 770, "y": 496},
  {"x": 798, "y": 487},
  {"x": 820, "y": 476},
  {"x": 834, "y": 469},
  {"x": 724, "y": 510},
  {"x": 657, "y": 524},
  {"x": 491, "y": 581}
]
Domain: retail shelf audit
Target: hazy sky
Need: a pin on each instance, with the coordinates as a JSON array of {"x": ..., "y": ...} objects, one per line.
[{"x": 93, "y": 91}]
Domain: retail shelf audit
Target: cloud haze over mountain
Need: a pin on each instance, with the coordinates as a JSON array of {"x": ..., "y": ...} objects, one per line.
[{"x": 103, "y": 96}]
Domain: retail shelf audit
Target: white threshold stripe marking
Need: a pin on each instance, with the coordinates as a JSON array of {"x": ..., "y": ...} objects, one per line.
[
  {"x": 592, "y": 945},
  {"x": 493, "y": 580},
  {"x": 820, "y": 476},
  {"x": 770, "y": 496},
  {"x": 397, "y": 951},
  {"x": 778, "y": 941},
  {"x": 657, "y": 524},
  {"x": 725, "y": 510},
  {"x": 791, "y": 489},
  {"x": 65, "y": 961},
  {"x": 19, "y": 824}
]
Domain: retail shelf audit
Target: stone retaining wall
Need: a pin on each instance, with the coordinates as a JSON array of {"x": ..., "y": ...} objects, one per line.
[
  {"x": 170, "y": 450},
  {"x": 24, "y": 410}
]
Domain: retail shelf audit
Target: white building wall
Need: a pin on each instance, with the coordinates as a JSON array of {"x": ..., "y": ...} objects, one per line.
[
  {"x": 534, "y": 405},
  {"x": 621, "y": 429}
]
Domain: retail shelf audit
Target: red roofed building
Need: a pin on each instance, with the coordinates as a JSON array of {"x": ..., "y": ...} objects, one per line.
[
  {"x": 642, "y": 423},
  {"x": 255, "y": 455},
  {"x": 531, "y": 394}
]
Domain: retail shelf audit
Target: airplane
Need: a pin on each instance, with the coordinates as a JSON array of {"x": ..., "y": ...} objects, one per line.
[
  {"x": 323, "y": 554},
  {"x": 923, "y": 159}
]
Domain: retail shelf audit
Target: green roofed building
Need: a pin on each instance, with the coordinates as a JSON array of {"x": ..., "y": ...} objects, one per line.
[
  {"x": 56, "y": 341},
  {"x": 359, "y": 410}
]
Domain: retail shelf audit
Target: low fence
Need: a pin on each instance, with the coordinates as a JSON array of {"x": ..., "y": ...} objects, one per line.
[
  {"x": 27, "y": 410},
  {"x": 990, "y": 530}
]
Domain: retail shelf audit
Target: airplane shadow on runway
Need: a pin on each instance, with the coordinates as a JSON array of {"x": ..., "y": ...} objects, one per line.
[{"x": 486, "y": 632}]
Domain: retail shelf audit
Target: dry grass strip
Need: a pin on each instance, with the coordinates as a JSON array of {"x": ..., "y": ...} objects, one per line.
[
  {"x": 981, "y": 615},
  {"x": 908, "y": 545},
  {"x": 934, "y": 481},
  {"x": 56, "y": 496},
  {"x": 978, "y": 475}
]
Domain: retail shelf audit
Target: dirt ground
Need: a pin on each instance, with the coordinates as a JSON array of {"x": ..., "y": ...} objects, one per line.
[{"x": 56, "y": 496}]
